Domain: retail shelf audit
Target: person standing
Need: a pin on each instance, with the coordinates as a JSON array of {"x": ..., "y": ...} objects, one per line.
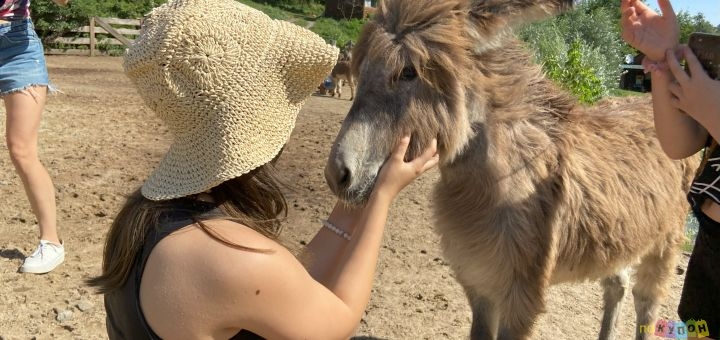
[
  {"x": 24, "y": 83},
  {"x": 686, "y": 107}
]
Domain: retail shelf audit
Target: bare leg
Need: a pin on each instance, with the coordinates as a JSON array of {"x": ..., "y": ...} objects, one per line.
[
  {"x": 24, "y": 110},
  {"x": 615, "y": 287},
  {"x": 652, "y": 279}
]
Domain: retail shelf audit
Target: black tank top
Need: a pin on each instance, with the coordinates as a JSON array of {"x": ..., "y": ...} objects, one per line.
[
  {"x": 125, "y": 320},
  {"x": 706, "y": 184}
]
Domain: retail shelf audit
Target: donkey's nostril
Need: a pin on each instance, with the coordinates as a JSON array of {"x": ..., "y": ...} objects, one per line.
[
  {"x": 344, "y": 177},
  {"x": 338, "y": 176}
]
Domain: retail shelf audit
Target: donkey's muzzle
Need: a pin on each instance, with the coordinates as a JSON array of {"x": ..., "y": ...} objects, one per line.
[{"x": 337, "y": 175}]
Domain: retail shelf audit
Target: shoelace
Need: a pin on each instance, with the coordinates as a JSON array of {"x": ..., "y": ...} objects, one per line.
[{"x": 38, "y": 251}]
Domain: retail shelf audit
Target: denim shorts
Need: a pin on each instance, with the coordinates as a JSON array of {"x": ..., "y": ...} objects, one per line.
[{"x": 22, "y": 59}]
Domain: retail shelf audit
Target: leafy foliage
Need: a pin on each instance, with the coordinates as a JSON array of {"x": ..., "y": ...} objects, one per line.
[
  {"x": 290, "y": 11},
  {"x": 338, "y": 31},
  {"x": 580, "y": 49},
  {"x": 694, "y": 23},
  {"x": 52, "y": 21},
  {"x": 576, "y": 75}
]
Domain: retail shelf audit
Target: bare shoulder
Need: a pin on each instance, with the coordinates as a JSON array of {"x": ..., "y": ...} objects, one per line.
[
  {"x": 224, "y": 281},
  {"x": 225, "y": 249},
  {"x": 264, "y": 289}
]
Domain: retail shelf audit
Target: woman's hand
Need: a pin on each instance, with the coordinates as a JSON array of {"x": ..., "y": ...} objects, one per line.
[
  {"x": 696, "y": 93},
  {"x": 646, "y": 30},
  {"x": 396, "y": 174}
]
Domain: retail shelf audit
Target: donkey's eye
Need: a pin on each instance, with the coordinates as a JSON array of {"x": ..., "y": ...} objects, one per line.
[{"x": 408, "y": 73}]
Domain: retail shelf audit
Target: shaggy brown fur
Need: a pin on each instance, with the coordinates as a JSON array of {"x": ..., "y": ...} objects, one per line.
[{"x": 535, "y": 189}]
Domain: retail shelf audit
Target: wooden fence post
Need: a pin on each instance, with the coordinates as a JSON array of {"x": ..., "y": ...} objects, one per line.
[
  {"x": 97, "y": 34},
  {"x": 113, "y": 31},
  {"x": 92, "y": 36}
]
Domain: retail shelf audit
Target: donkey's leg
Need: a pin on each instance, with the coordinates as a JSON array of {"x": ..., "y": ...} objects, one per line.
[
  {"x": 615, "y": 287},
  {"x": 524, "y": 302},
  {"x": 652, "y": 279},
  {"x": 338, "y": 87},
  {"x": 485, "y": 317},
  {"x": 351, "y": 81}
]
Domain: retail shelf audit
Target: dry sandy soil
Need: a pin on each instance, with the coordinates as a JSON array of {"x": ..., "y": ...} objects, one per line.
[{"x": 99, "y": 142}]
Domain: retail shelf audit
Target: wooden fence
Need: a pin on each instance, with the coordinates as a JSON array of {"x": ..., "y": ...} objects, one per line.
[{"x": 101, "y": 36}]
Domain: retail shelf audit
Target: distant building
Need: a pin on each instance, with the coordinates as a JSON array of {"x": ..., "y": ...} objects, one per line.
[
  {"x": 633, "y": 77},
  {"x": 349, "y": 9}
]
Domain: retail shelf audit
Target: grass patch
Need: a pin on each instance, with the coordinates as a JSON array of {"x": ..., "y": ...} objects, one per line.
[
  {"x": 691, "y": 230},
  {"x": 297, "y": 14},
  {"x": 339, "y": 31},
  {"x": 624, "y": 93},
  {"x": 310, "y": 16}
]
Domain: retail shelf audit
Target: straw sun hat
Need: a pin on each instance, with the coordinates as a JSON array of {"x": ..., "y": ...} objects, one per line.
[{"x": 228, "y": 81}]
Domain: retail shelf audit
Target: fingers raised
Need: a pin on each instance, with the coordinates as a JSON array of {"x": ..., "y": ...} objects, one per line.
[
  {"x": 401, "y": 148},
  {"x": 675, "y": 89},
  {"x": 667, "y": 10},
  {"x": 428, "y": 158},
  {"x": 674, "y": 64}
]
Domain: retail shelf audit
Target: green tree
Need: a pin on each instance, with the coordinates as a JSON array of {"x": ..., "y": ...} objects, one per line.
[
  {"x": 52, "y": 21},
  {"x": 585, "y": 42},
  {"x": 694, "y": 23},
  {"x": 338, "y": 31}
]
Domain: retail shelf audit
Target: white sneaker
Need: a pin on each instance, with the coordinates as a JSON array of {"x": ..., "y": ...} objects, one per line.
[{"x": 44, "y": 259}]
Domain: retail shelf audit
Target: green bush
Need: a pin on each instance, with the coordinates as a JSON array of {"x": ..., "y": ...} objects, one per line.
[
  {"x": 52, "y": 21},
  {"x": 578, "y": 77},
  {"x": 580, "y": 49},
  {"x": 339, "y": 31}
]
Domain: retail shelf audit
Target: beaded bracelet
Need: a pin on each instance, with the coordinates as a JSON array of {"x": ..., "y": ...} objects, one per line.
[{"x": 342, "y": 233}]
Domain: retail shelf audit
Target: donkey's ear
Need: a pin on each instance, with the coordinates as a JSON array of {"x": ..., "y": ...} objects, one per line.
[{"x": 491, "y": 16}]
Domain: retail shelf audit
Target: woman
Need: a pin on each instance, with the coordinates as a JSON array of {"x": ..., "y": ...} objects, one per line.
[
  {"x": 196, "y": 253},
  {"x": 686, "y": 107},
  {"x": 23, "y": 86}
]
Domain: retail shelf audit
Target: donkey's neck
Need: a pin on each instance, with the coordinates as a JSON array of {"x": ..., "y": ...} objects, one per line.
[{"x": 516, "y": 114}]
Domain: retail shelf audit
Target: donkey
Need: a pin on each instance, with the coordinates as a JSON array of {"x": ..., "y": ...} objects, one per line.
[
  {"x": 342, "y": 73},
  {"x": 535, "y": 189},
  {"x": 346, "y": 51}
]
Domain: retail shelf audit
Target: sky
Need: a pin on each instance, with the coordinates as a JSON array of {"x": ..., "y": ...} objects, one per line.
[{"x": 710, "y": 8}]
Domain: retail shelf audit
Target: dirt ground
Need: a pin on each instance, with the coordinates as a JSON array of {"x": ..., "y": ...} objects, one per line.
[{"x": 99, "y": 142}]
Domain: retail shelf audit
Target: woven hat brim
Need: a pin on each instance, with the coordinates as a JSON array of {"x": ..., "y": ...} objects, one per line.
[
  {"x": 194, "y": 166},
  {"x": 236, "y": 119}
]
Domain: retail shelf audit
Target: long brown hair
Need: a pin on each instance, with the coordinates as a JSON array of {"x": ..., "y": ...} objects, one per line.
[{"x": 254, "y": 200}]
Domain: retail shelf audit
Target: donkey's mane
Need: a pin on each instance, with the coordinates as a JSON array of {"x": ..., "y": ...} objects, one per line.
[{"x": 425, "y": 33}]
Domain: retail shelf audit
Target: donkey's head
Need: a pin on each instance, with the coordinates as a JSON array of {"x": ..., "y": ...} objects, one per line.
[{"x": 429, "y": 69}]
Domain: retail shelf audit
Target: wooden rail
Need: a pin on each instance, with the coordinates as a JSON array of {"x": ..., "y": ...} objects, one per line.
[{"x": 100, "y": 32}]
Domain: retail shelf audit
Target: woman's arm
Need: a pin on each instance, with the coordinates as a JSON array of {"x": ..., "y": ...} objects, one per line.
[
  {"x": 276, "y": 297},
  {"x": 326, "y": 250},
  {"x": 646, "y": 30},
  {"x": 61, "y": 2},
  {"x": 680, "y": 134},
  {"x": 654, "y": 35},
  {"x": 271, "y": 293}
]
